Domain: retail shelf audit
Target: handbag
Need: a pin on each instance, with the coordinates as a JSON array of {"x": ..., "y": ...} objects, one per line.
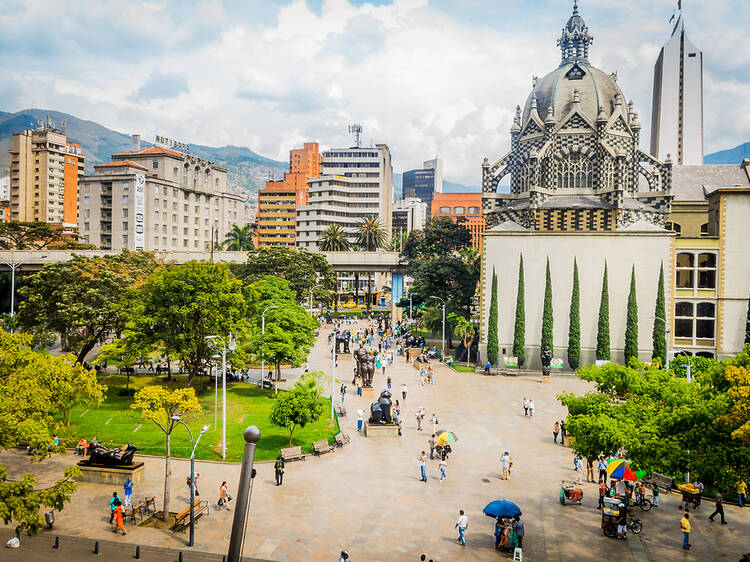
[
  {"x": 229, "y": 498},
  {"x": 220, "y": 502}
]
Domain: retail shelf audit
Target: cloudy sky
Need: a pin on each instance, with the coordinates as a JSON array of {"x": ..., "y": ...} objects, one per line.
[{"x": 424, "y": 76}]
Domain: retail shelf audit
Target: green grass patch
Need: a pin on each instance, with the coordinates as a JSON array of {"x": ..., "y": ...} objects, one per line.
[
  {"x": 114, "y": 423},
  {"x": 463, "y": 368}
]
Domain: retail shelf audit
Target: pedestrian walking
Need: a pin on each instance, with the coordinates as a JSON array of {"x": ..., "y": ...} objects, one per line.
[
  {"x": 525, "y": 407},
  {"x": 578, "y": 462},
  {"x": 195, "y": 485},
  {"x": 388, "y": 380},
  {"x": 422, "y": 458},
  {"x": 343, "y": 392},
  {"x": 119, "y": 520},
  {"x": 505, "y": 464},
  {"x": 462, "y": 524},
  {"x": 655, "y": 501},
  {"x": 602, "y": 469},
  {"x": 590, "y": 471},
  {"x": 531, "y": 408},
  {"x": 719, "y": 508},
  {"x": 278, "y": 468},
  {"x": 419, "y": 419},
  {"x": 685, "y": 528},
  {"x": 622, "y": 521},
  {"x": 360, "y": 414},
  {"x": 443, "y": 465},
  {"x": 114, "y": 501},
  {"x": 563, "y": 433},
  {"x": 403, "y": 391},
  {"x": 555, "y": 431},
  {"x": 434, "y": 422},
  {"x": 359, "y": 386},
  {"x": 520, "y": 529},
  {"x": 741, "y": 489},
  {"x": 602, "y": 492},
  {"x": 224, "y": 497},
  {"x": 128, "y": 485},
  {"x": 431, "y": 442}
]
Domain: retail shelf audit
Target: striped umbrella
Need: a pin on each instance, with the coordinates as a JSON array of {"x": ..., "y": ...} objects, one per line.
[{"x": 622, "y": 469}]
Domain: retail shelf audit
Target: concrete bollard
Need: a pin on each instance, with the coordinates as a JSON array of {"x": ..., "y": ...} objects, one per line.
[
  {"x": 57, "y": 542},
  {"x": 137, "y": 552},
  {"x": 179, "y": 558},
  {"x": 96, "y": 547}
]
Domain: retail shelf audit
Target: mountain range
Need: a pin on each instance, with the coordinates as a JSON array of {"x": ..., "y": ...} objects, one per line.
[{"x": 247, "y": 170}]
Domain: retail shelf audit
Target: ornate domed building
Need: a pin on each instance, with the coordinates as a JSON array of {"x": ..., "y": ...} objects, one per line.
[{"x": 575, "y": 162}]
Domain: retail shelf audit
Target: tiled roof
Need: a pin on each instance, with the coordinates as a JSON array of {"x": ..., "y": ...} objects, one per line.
[
  {"x": 151, "y": 150},
  {"x": 690, "y": 183},
  {"x": 120, "y": 163}
]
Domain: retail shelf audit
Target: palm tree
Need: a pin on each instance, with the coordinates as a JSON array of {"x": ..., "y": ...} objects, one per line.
[
  {"x": 334, "y": 239},
  {"x": 465, "y": 329},
  {"x": 239, "y": 238},
  {"x": 371, "y": 236}
]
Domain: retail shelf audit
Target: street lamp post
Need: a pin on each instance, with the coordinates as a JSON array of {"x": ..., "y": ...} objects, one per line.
[
  {"x": 244, "y": 492},
  {"x": 176, "y": 418},
  {"x": 689, "y": 378},
  {"x": 263, "y": 346},
  {"x": 443, "y": 341},
  {"x": 13, "y": 265},
  {"x": 311, "y": 306},
  {"x": 333, "y": 366},
  {"x": 232, "y": 347}
]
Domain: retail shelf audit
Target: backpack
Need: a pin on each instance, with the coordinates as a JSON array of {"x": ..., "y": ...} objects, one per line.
[{"x": 511, "y": 462}]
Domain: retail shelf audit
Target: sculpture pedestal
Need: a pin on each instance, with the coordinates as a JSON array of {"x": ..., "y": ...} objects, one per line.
[
  {"x": 546, "y": 379},
  {"x": 368, "y": 391},
  {"x": 100, "y": 474},
  {"x": 377, "y": 430}
]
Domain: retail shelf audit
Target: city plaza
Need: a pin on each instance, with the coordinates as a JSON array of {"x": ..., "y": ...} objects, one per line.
[{"x": 367, "y": 498}]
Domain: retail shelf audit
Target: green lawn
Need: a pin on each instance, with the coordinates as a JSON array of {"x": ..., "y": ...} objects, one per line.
[
  {"x": 463, "y": 368},
  {"x": 115, "y": 424}
]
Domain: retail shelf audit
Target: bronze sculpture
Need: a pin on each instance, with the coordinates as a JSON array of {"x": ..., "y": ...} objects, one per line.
[
  {"x": 365, "y": 366},
  {"x": 380, "y": 411},
  {"x": 111, "y": 457},
  {"x": 343, "y": 338},
  {"x": 546, "y": 356}
]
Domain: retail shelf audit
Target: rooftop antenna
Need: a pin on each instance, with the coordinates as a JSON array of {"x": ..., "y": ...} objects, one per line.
[{"x": 356, "y": 130}]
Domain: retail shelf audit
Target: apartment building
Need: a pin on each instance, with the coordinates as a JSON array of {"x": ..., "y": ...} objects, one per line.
[
  {"x": 466, "y": 207},
  {"x": 157, "y": 199},
  {"x": 278, "y": 201},
  {"x": 354, "y": 183},
  {"x": 45, "y": 170}
]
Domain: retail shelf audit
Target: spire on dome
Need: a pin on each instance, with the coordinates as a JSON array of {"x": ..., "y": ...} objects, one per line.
[{"x": 575, "y": 39}]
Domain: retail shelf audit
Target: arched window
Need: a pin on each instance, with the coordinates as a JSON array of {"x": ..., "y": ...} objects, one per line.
[
  {"x": 445, "y": 210},
  {"x": 575, "y": 171},
  {"x": 608, "y": 174},
  {"x": 459, "y": 210},
  {"x": 527, "y": 176},
  {"x": 473, "y": 210}
]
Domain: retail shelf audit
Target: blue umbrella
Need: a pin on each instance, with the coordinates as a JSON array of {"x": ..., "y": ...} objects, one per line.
[{"x": 502, "y": 508}]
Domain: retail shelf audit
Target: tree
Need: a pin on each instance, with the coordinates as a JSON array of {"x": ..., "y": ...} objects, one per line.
[
  {"x": 574, "y": 326},
  {"x": 660, "y": 318},
  {"x": 84, "y": 300},
  {"x": 465, "y": 329},
  {"x": 179, "y": 306},
  {"x": 547, "y": 315},
  {"x": 160, "y": 405},
  {"x": 631, "y": 324},
  {"x": 239, "y": 238},
  {"x": 492, "y": 323},
  {"x": 519, "y": 328},
  {"x": 123, "y": 353},
  {"x": 747, "y": 323},
  {"x": 37, "y": 391},
  {"x": 602, "y": 334},
  {"x": 334, "y": 239},
  {"x": 303, "y": 270},
  {"x": 39, "y": 236},
  {"x": 290, "y": 330},
  {"x": 736, "y": 371},
  {"x": 435, "y": 258},
  {"x": 370, "y": 233},
  {"x": 298, "y": 406}
]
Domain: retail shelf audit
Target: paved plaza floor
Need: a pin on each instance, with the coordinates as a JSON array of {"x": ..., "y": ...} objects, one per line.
[{"x": 367, "y": 497}]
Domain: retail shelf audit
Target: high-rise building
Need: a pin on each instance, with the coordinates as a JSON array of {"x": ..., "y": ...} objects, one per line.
[
  {"x": 423, "y": 183},
  {"x": 409, "y": 214},
  {"x": 279, "y": 200},
  {"x": 355, "y": 183},
  {"x": 677, "y": 112},
  {"x": 157, "y": 199},
  {"x": 463, "y": 207},
  {"x": 44, "y": 172}
]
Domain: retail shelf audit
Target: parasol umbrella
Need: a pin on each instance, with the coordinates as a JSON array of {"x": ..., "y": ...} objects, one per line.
[
  {"x": 623, "y": 469},
  {"x": 446, "y": 436},
  {"x": 501, "y": 508}
]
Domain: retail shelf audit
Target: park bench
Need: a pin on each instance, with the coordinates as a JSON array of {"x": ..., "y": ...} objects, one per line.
[
  {"x": 341, "y": 410},
  {"x": 149, "y": 504},
  {"x": 292, "y": 453},
  {"x": 660, "y": 480},
  {"x": 182, "y": 519},
  {"x": 134, "y": 512},
  {"x": 127, "y": 371},
  {"x": 322, "y": 446},
  {"x": 341, "y": 439}
]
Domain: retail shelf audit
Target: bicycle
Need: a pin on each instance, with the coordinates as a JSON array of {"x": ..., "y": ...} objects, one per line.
[{"x": 644, "y": 503}]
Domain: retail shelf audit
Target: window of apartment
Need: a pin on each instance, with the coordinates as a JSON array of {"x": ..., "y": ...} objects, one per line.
[
  {"x": 174, "y": 205},
  {"x": 86, "y": 213},
  {"x": 205, "y": 222},
  {"x": 174, "y": 172},
  {"x": 459, "y": 210},
  {"x": 174, "y": 242},
  {"x": 125, "y": 187},
  {"x": 174, "y": 230},
  {"x": 156, "y": 242},
  {"x": 125, "y": 239},
  {"x": 674, "y": 227},
  {"x": 185, "y": 231},
  {"x": 124, "y": 225},
  {"x": 124, "y": 199},
  {"x": 196, "y": 232},
  {"x": 445, "y": 210},
  {"x": 696, "y": 270},
  {"x": 124, "y": 213},
  {"x": 87, "y": 200},
  {"x": 186, "y": 207},
  {"x": 695, "y": 320},
  {"x": 473, "y": 210},
  {"x": 164, "y": 242},
  {"x": 155, "y": 164},
  {"x": 197, "y": 209},
  {"x": 164, "y": 216},
  {"x": 704, "y": 229},
  {"x": 184, "y": 243},
  {"x": 197, "y": 220},
  {"x": 156, "y": 202},
  {"x": 86, "y": 226},
  {"x": 195, "y": 243},
  {"x": 87, "y": 188}
]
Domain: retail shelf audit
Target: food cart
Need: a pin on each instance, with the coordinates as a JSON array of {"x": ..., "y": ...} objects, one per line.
[
  {"x": 610, "y": 512},
  {"x": 690, "y": 495}
]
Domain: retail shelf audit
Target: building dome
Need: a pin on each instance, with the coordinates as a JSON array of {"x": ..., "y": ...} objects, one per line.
[{"x": 597, "y": 91}]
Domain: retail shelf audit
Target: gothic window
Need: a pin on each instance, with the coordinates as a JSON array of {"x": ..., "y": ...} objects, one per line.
[
  {"x": 608, "y": 174},
  {"x": 575, "y": 171},
  {"x": 527, "y": 176}
]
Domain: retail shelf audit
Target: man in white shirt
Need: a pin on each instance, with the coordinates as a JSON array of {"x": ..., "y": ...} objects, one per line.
[
  {"x": 505, "y": 463},
  {"x": 531, "y": 408},
  {"x": 461, "y": 525}
]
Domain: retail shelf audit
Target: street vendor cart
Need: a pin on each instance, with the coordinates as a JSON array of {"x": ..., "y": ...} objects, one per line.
[
  {"x": 690, "y": 495},
  {"x": 610, "y": 512}
]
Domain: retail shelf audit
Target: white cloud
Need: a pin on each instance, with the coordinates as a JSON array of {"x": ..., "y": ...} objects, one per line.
[{"x": 423, "y": 78}]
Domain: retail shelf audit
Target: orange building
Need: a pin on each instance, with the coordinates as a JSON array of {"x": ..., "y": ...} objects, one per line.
[
  {"x": 464, "y": 205},
  {"x": 278, "y": 201}
]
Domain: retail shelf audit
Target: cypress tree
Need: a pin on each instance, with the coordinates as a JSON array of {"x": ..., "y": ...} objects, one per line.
[
  {"x": 547, "y": 314},
  {"x": 492, "y": 345},
  {"x": 519, "y": 330},
  {"x": 660, "y": 317},
  {"x": 602, "y": 334},
  {"x": 631, "y": 323},
  {"x": 574, "y": 328},
  {"x": 747, "y": 323}
]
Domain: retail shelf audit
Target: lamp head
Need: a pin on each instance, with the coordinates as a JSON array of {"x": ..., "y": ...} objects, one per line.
[
  {"x": 176, "y": 417},
  {"x": 204, "y": 429}
]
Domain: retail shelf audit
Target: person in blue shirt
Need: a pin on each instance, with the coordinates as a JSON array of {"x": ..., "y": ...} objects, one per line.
[
  {"x": 487, "y": 368},
  {"x": 128, "y": 485}
]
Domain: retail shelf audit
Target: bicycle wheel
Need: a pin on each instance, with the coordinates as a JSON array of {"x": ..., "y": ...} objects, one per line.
[
  {"x": 609, "y": 530},
  {"x": 645, "y": 504},
  {"x": 636, "y": 526}
]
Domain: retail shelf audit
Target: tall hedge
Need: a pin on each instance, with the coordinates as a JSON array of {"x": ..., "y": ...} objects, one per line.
[
  {"x": 660, "y": 318},
  {"x": 492, "y": 345},
  {"x": 519, "y": 328},
  {"x": 631, "y": 322},
  {"x": 547, "y": 314},
  {"x": 602, "y": 333},
  {"x": 574, "y": 326}
]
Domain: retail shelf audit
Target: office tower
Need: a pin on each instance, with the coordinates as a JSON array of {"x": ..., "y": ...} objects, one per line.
[{"x": 424, "y": 182}]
